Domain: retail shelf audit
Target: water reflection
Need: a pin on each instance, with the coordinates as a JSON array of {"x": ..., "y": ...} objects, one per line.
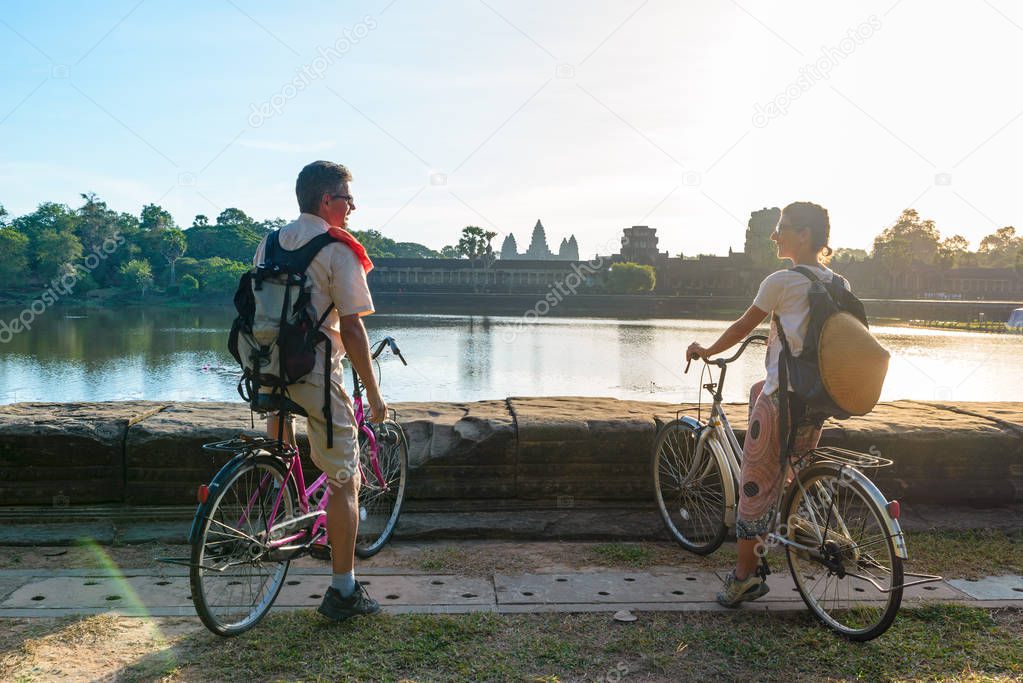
[{"x": 181, "y": 354}]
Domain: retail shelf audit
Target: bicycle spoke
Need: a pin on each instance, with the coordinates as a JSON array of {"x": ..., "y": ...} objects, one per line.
[{"x": 841, "y": 584}]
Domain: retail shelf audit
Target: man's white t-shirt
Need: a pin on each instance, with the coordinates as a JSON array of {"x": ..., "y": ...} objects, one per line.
[
  {"x": 786, "y": 293},
  {"x": 336, "y": 277}
]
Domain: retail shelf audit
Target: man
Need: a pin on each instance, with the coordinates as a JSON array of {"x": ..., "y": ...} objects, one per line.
[{"x": 337, "y": 275}]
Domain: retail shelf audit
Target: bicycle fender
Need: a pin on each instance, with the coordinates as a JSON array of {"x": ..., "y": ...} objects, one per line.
[
  {"x": 225, "y": 473},
  {"x": 691, "y": 422},
  {"x": 730, "y": 492},
  {"x": 893, "y": 526}
]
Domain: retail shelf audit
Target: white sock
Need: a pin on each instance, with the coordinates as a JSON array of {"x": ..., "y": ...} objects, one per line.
[{"x": 344, "y": 583}]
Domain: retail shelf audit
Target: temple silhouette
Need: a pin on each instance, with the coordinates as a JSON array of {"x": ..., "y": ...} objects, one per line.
[{"x": 538, "y": 249}]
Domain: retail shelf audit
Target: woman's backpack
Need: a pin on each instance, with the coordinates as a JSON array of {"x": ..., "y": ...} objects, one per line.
[
  {"x": 841, "y": 369},
  {"x": 276, "y": 333}
]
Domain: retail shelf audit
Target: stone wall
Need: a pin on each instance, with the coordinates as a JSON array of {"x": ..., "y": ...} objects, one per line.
[{"x": 541, "y": 452}]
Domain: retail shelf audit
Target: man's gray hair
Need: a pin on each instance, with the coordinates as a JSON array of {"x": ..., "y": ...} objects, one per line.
[{"x": 316, "y": 179}]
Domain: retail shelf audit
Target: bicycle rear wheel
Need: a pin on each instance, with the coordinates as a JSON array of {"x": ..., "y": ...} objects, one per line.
[
  {"x": 689, "y": 486},
  {"x": 380, "y": 500},
  {"x": 234, "y": 583},
  {"x": 852, "y": 581}
]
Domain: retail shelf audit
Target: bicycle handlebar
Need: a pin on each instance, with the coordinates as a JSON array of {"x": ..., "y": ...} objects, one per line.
[
  {"x": 390, "y": 343},
  {"x": 722, "y": 362}
]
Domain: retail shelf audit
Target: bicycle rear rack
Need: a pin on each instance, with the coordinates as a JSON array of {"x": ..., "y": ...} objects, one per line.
[
  {"x": 844, "y": 456},
  {"x": 240, "y": 443}
]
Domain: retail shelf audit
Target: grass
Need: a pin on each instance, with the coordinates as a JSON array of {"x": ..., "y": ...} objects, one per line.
[
  {"x": 970, "y": 554},
  {"x": 993, "y": 326},
  {"x": 939, "y": 642}
]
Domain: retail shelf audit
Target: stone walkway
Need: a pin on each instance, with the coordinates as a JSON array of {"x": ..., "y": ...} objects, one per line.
[{"x": 165, "y": 592}]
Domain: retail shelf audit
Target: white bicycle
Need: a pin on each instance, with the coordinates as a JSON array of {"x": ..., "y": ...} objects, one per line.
[{"x": 841, "y": 537}]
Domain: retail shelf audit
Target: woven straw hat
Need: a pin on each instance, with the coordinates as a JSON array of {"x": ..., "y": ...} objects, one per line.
[{"x": 852, "y": 364}]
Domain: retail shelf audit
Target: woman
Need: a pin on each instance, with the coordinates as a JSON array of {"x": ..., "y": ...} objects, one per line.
[{"x": 802, "y": 237}]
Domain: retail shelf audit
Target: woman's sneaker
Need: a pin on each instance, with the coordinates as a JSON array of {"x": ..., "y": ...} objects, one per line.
[
  {"x": 337, "y": 608},
  {"x": 736, "y": 591}
]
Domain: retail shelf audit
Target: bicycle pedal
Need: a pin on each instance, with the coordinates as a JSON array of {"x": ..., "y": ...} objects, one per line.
[{"x": 320, "y": 551}]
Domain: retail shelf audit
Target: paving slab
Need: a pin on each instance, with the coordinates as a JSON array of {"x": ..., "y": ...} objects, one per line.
[
  {"x": 606, "y": 587},
  {"x": 992, "y": 587},
  {"x": 166, "y": 592}
]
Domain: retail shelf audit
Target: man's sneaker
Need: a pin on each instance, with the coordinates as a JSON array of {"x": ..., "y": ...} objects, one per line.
[
  {"x": 337, "y": 608},
  {"x": 736, "y": 591}
]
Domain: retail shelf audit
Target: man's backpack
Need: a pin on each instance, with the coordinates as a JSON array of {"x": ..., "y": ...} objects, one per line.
[
  {"x": 276, "y": 333},
  {"x": 841, "y": 369}
]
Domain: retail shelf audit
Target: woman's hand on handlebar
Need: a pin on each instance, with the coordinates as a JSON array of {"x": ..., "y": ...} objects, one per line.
[{"x": 695, "y": 351}]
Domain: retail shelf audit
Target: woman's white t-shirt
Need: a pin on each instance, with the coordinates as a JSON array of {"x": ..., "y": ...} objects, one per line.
[{"x": 786, "y": 293}]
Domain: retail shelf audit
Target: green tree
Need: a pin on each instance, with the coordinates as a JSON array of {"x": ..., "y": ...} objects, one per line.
[
  {"x": 844, "y": 255},
  {"x": 909, "y": 239},
  {"x": 155, "y": 217},
  {"x": 449, "y": 251},
  {"x": 1001, "y": 248},
  {"x": 14, "y": 262},
  {"x": 414, "y": 250},
  {"x": 377, "y": 245},
  {"x": 51, "y": 225},
  {"x": 234, "y": 237},
  {"x": 96, "y": 223},
  {"x": 475, "y": 245},
  {"x": 56, "y": 253},
  {"x": 172, "y": 247},
  {"x": 952, "y": 252},
  {"x": 475, "y": 242},
  {"x": 137, "y": 274},
  {"x": 220, "y": 275},
  {"x": 269, "y": 225},
  {"x": 631, "y": 278},
  {"x": 188, "y": 286},
  {"x": 47, "y": 216}
]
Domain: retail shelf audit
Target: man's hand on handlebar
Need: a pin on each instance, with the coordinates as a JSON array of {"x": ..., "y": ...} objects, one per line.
[{"x": 377, "y": 407}]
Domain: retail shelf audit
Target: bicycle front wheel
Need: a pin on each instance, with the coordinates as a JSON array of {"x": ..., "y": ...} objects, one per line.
[
  {"x": 234, "y": 582},
  {"x": 689, "y": 486},
  {"x": 852, "y": 578},
  {"x": 381, "y": 495}
]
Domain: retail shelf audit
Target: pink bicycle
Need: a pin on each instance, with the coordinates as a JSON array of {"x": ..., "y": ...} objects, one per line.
[{"x": 257, "y": 514}]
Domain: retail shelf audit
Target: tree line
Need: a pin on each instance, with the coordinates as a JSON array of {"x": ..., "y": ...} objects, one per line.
[
  {"x": 153, "y": 252},
  {"x": 150, "y": 251}
]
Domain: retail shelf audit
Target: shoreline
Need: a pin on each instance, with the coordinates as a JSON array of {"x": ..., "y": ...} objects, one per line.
[{"x": 920, "y": 313}]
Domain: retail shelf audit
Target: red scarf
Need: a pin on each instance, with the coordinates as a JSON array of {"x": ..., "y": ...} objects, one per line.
[{"x": 348, "y": 239}]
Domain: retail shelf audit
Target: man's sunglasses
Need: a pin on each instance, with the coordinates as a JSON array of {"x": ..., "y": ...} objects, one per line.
[{"x": 347, "y": 197}]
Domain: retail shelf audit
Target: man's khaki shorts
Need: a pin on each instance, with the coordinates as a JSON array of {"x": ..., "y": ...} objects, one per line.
[{"x": 340, "y": 463}]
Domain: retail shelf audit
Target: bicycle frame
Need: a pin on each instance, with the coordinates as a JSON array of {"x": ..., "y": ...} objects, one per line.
[
  {"x": 719, "y": 439},
  {"x": 295, "y": 473}
]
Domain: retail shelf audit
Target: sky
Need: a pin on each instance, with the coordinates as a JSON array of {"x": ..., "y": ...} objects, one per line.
[{"x": 591, "y": 116}]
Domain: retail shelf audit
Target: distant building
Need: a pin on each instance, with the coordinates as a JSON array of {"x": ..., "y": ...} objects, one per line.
[
  {"x": 737, "y": 274},
  {"x": 569, "y": 250},
  {"x": 538, "y": 249},
  {"x": 639, "y": 245},
  {"x": 734, "y": 274},
  {"x": 498, "y": 276}
]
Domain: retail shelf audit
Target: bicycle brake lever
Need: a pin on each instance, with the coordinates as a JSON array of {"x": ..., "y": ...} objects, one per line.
[{"x": 688, "y": 363}]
